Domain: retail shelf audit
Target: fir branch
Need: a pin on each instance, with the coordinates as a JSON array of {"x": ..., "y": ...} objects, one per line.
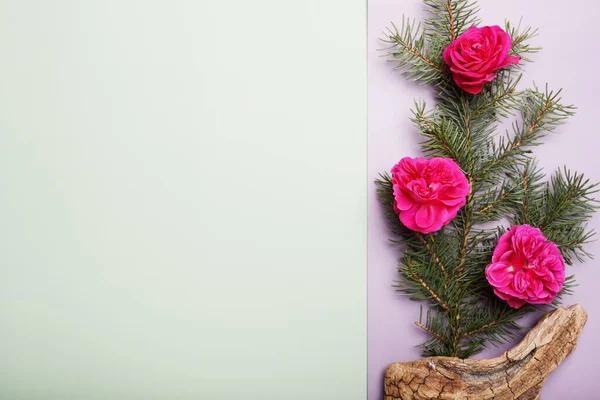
[
  {"x": 432, "y": 252},
  {"x": 541, "y": 114},
  {"x": 502, "y": 196},
  {"x": 443, "y": 138},
  {"x": 488, "y": 319},
  {"x": 530, "y": 178},
  {"x": 431, "y": 332},
  {"x": 425, "y": 286},
  {"x": 438, "y": 343},
  {"x": 409, "y": 52},
  {"x": 451, "y": 23},
  {"x": 568, "y": 199},
  {"x": 498, "y": 202},
  {"x": 566, "y": 205},
  {"x": 467, "y": 214},
  {"x": 525, "y": 201},
  {"x": 571, "y": 242},
  {"x": 446, "y": 269},
  {"x": 385, "y": 195},
  {"x": 479, "y": 330},
  {"x": 520, "y": 37},
  {"x": 567, "y": 289},
  {"x": 448, "y": 19},
  {"x": 495, "y": 100},
  {"x": 499, "y": 98}
]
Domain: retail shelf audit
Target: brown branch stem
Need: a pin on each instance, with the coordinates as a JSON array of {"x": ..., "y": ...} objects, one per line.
[
  {"x": 443, "y": 143},
  {"x": 431, "y": 332},
  {"x": 418, "y": 54},
  {"x": 476, "y": 331},
  {"x": 426, "y": 287},
  {"x": 494, "y": 203},
  {"x": 496, "y": 100},
  {"x": 515, "y": 146},
  {"x": 432, "y": 253},
  {"x": 451, "y": 20},
  {"x": 525, "y": 203}
]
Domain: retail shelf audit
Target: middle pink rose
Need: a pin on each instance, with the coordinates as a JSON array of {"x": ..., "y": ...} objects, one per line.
[{"x": 428, "y": 193}]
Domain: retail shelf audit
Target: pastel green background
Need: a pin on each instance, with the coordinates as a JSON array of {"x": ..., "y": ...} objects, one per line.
[{"x": 182, "y": 199}]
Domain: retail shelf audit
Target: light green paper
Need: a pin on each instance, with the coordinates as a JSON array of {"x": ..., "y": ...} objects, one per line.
[{"x": 183, "y": 200}]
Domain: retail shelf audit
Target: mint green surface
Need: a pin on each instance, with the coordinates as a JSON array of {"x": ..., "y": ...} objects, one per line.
[{"x": 182, "y": 199}]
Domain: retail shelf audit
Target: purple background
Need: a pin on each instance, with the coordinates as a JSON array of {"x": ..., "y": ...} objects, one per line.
[{"x": 570, "y": 59}]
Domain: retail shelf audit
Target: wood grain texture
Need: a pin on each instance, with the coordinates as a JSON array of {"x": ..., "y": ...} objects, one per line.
[{"x": 517, "y": 374}]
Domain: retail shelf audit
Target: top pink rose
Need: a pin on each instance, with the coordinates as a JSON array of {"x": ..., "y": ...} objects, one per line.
[
  {"x": 476, "y": 54},
  {"x": 526, "y": 267},
  {"x": 428, "y": 193}
]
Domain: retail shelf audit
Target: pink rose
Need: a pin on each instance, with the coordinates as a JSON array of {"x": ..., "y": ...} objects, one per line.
[
  {"x": 526, "y": 267},
  {"x": 428, "y": 193},
  {"x": 476, "y": 54}
]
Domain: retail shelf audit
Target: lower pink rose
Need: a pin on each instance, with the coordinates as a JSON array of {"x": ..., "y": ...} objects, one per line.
[{"x": 526, "y": 267}]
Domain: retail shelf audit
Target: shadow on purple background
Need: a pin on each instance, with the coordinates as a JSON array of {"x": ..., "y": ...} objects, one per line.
[{"x": 570, "y": 59}]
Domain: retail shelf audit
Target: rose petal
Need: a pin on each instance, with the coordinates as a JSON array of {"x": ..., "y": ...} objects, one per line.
[
  {"x": 509, "y": 60},
  {"x": 499, "y": 274},
  {"x": 403, "y": 202},
  {"x": 424, "y": 217},
  {"x": 515, "y": 303}
]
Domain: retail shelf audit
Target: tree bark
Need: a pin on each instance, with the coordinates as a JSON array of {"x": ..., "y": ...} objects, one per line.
[{"x": 517, "y": 374}]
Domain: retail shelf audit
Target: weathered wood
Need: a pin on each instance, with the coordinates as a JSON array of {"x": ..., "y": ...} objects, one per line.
[{"x": 517, "y": 374}]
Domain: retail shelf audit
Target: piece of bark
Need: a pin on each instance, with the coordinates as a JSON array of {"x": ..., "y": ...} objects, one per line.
[{"x": 517, "y": 374}]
